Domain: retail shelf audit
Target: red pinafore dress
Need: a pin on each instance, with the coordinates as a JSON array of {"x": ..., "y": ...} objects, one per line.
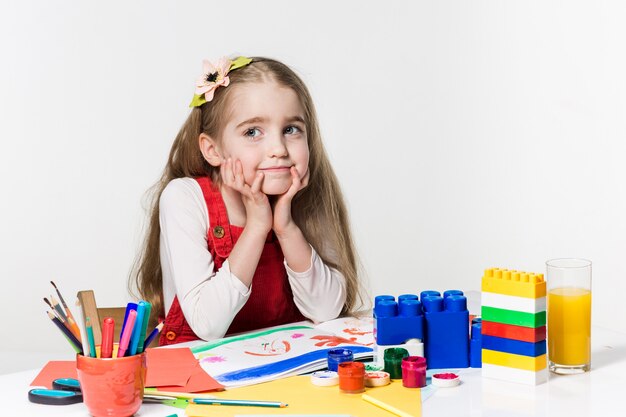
[{"x": 271, "y": 300}]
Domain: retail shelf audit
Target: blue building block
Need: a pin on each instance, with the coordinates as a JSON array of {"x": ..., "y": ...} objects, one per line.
[
  {"x": 395, "y": 322},
  {"x": 385, "y": 297},
  {"x": 447, "y": 331},
  {"x": 429, "y": 293},
  {"x": 451, "y": 292},
  {"x": 476, "y": 345},
  {"x": 517, "y": 347}
]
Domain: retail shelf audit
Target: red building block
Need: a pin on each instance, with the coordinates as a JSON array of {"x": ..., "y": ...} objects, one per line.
[{"x": 509, "y": 331}]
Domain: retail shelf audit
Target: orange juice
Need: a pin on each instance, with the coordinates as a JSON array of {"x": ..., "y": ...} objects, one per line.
[{"x": 569, "y": 326}]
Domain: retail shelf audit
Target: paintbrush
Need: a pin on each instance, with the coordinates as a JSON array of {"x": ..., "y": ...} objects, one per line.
[
  {"x": 68, "y": 312},
  {"x": 53, "y": 310}
]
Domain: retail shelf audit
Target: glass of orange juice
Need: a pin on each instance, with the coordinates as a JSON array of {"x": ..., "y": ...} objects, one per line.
[{"x": 569, "y": 315}]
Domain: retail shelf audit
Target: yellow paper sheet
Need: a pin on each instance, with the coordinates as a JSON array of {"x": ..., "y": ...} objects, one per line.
[{"x": 306, "y": 398}]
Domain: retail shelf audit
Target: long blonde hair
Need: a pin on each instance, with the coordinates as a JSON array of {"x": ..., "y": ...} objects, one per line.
[{"x": 319, "y": 209}]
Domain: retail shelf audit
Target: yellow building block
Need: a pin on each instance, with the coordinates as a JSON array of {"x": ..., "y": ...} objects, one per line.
[
  {"x": 527, "y": 363},
  {"x": 516, "y": 283}
]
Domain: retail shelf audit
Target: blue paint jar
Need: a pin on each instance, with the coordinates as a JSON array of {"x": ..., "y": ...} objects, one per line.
[{"x": 337, "y": 356}]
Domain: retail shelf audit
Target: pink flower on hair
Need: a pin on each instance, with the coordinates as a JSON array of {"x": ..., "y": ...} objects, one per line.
[{"x": 213, "y": 76}]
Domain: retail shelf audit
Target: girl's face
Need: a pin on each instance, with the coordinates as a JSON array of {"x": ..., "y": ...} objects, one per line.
[{"x": 266, "y": 132}]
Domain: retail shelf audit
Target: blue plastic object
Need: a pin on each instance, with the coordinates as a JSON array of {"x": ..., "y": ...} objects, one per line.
[
  {"x": 429, "y": 293},
  {"x": 66, "y": 384},
  {"x": 447, "y": 331},
  {"x": 452, "y": 292},
  {"x": 395, "y": 322},
  {"x": 517, "y": 347},
  {"x": 476, "y": 345},
  {"x": 337, "y": 356},
  {"x": 54, "y": 397}
]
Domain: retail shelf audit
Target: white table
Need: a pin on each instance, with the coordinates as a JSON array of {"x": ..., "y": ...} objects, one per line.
[{"x": 599, "y": 393}]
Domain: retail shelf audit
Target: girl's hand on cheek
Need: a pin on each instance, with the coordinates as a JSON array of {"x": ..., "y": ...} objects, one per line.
[
  {"x": 283, "y": 222},
  {"x": 258, "y": 209}
]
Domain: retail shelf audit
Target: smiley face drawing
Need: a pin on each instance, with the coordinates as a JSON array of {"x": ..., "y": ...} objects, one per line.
[{"x": 276, "y": 347}]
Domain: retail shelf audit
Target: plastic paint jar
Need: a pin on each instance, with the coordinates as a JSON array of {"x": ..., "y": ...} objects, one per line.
[
  {"x": 351, "y": 377},
  {"x": 337, "y": 356},
  {"x": 414, "y": 372},
  {"x": 324, "y": 378},
  {"x": 376, "y": 379},
  {"x": 393, "y": 361}
]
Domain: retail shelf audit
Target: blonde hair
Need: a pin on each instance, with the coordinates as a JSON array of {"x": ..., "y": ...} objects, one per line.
[{"x": 319, "y": 209}]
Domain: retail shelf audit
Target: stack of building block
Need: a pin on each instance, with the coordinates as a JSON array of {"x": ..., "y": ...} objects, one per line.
[
  {"x": 514, "y": 326},
  {"x": 398, "y": 324}
]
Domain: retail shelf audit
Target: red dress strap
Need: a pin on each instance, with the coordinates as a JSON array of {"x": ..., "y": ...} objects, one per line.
[{"x": 271, "y": 299}]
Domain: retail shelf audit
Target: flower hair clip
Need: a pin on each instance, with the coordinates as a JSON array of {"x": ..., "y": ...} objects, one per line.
[{"x": 214, "y": 76}]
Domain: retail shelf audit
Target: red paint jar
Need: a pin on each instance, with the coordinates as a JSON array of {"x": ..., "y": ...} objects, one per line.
[
  {"x": 351, "y": 377},
  {"x": 414, "y": 372}
]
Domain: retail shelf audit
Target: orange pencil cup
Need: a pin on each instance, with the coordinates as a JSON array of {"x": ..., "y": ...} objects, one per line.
[{"x": 112, "y": 387}]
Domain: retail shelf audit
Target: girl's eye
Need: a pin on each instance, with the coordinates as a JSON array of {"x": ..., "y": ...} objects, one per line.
[
  {"x": 292, "y": 130},
  {"x": 253, "y": 132}
]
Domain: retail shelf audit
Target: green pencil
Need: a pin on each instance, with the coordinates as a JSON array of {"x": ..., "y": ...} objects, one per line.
[
  {"x": 92, "y": 343},
  {"x": 224, "y": 401}
]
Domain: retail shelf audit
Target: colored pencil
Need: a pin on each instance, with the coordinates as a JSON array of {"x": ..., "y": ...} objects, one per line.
[
  {"x": 187, "y": 395},
  {"x": 251, "y": 403},
  {"x": 385, "y": 406},
  {"x": 58, "y": 308},
  {"x": 63, "y": 317},
  {"x": 68, "y": 312},
  {"x": 153, "y": 334},
  {"x": 68, "y": 335},
  {"x": 157, "y": 398},
  {"x": 92, "y": 343},
  {"x": 83, "y": 329},
  {"x": 55, "y": 312}
]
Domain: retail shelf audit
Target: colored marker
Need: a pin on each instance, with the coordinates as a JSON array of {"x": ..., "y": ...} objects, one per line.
[
  {"x": 129, "y": 308},
  {"x": 92, "y": 343},
  {"x": 136, "y": 335},
  {"x": 144, "y": 326},
  {"x": 128, "y": 330},
  {"x": 108, "y": 327},
  {"x": 251, "y": 403},
  {"x": 153, "y": 334}
]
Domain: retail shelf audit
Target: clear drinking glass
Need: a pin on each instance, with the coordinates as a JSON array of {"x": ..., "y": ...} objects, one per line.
[{"x": 569, "y": 315}]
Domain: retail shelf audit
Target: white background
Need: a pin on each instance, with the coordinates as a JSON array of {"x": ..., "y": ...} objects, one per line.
[{"x": 465, "y": 134}]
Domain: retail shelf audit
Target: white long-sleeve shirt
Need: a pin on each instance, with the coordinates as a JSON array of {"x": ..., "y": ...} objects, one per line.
[{"x": 210, "y": 300}]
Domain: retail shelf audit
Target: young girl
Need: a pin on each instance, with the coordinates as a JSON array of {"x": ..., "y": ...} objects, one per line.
[{"x": 248, "y": 227}]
